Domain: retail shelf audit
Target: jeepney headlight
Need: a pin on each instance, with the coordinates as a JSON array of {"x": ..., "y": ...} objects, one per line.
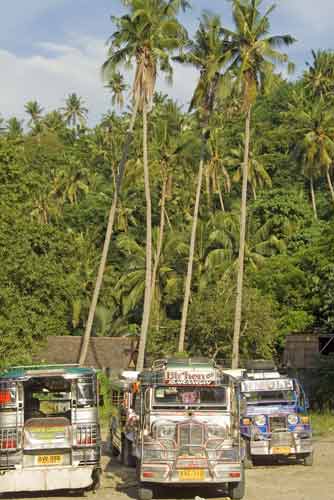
[
  {"x": 165, "y": 430},
  {"x": 293, "y": 419},
  {"x": 260, "y": 420},
  {"x": 216, "y": 432}
]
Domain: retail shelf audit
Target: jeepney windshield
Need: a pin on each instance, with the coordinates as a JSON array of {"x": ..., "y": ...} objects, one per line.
[
  {"x": 269, "y": 397},
  {"x": 189, "y": 397},
  {"x": 47, "y": 397}
]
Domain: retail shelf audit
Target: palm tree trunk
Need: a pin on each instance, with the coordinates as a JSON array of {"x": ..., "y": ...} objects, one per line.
[
  {"x": 161, "y": 235},
  {"x": 191, "y": 253},
  {"x": 208, "y": 187},
  {"x": 314, "y": 205},
  {"x": 222, "y": 206},
  {"x": 148, "y": 279},
  {"x": 243, "y": 217},
  {"x": 330, "y": 184},
  {"x": 218, "y": 189},
  {"x": 111, "y": 219}
]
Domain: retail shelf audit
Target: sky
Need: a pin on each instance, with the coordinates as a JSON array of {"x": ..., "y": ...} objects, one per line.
[{"x": 51, "y": 48}]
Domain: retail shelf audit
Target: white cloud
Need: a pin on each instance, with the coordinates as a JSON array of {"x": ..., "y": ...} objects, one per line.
[
  {"x": 51, "y": 77},
  {"x": 60, "y": 69}
]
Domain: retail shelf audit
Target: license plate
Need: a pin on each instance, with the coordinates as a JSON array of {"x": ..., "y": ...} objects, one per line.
[
  {"x": 49, "y": 459},
  {"x": 191, "y": 475},
  {"x": 281, "y": 450}
]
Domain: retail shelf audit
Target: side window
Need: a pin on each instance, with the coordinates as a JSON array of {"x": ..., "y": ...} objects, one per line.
[{"x": 86, "y": 392}]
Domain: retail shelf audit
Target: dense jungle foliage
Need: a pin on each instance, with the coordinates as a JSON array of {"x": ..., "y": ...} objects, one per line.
[{"x": 57, "y": 179}]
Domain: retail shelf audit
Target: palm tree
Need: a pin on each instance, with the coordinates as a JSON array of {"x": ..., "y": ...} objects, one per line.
[
  {"x": 208, "y": 54},
  {"x": 215, "y": 166},
  {"x": 258, "y": 177},
  {"x": 319, "y": 79},
  {"x": 75, "y": 111},
  {"x": 144, "y": 37},
  {"x": 34, "y": 110},
  {"x": 170, "y": 146},
  {"x": 53, "y": 121},
  {"x": 317, "y": 146},
  {"x": 253, "y": 52},
  {"x": 314, "y": 128},
  {"x": 117, "y": 87},
  {"x": 14, "y": 127}
]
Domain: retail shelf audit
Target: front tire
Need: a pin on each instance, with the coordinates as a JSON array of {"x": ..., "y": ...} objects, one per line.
[
  {"x": 308, "y": 460},
  {"x": 236, "y": 491},
  {"x": 248, "y": 460},
  {"x": 144, "y": 492}
]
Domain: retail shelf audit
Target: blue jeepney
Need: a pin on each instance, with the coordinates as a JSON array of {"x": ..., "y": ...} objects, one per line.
[{"x": 274, "y": 419}]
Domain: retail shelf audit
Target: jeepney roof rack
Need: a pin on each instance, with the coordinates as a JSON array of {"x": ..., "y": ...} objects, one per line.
[
  {"x": 165, "y": 370},
  {"x": 29, "y": 371},
  {"x": 193, "y": 362},
  {"x": 260, "y": 365}
]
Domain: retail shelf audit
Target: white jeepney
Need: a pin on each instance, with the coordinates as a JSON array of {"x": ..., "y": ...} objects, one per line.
[
  {"x": 49, "y": 429},
  {"x": 188, "y": 432}
]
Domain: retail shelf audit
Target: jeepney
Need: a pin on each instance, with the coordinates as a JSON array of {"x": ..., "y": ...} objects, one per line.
[
  {"x": 49, "y": 429},
  {"x": 188, "y": 431},
  {"x": 274, "y": 420},
  {"x": 124, "y": 422}
]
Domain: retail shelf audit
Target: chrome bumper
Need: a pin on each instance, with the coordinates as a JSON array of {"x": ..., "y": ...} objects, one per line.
[
  {"x": 168, "y": 474},
  {"x": 46, "y": 479},
  {"x": 280, "y": 444}
]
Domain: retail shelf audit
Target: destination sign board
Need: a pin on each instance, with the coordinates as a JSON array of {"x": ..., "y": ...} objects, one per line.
[
  {"x": 282, "y": 384},
  {"x": 190, "y": 377}
]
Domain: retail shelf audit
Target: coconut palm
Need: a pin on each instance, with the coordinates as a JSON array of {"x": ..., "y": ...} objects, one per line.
[
  {"x": 254, "y": 54},
  {"x": 258, "y": 177},
  {"x": 317, "y": 146},
  {"x": 170, "y": 147},
  {"x": 34, "y": 110},
  {"x": 313, "y": 126},
  {"x": 74, "y": 111},
  {"x": 117, "y": 88},
  {"x": 207, "y": 53},
  {"x": 319, "y": 79},
  {"x": 215, "y": 168},
  {"x": 14, "y": 127},
  {"x": 53, "y": 121},
  {"x": 145, "y": 36}
]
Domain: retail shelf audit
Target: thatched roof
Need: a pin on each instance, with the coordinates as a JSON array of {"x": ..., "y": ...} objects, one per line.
[{"x": 115, "y": 353}]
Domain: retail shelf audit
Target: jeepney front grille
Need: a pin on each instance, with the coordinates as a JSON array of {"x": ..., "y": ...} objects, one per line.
[
  {"x": 9, "y": 439},
  {"x": 278, "y": 424},
  {"x": 191, "y": 439}
]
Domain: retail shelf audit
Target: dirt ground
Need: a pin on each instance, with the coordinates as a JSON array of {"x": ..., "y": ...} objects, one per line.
[{"x": 270, "y": 482}]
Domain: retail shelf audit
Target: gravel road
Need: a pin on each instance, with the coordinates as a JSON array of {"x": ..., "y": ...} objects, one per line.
[{"x": 270, "y": 482}]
